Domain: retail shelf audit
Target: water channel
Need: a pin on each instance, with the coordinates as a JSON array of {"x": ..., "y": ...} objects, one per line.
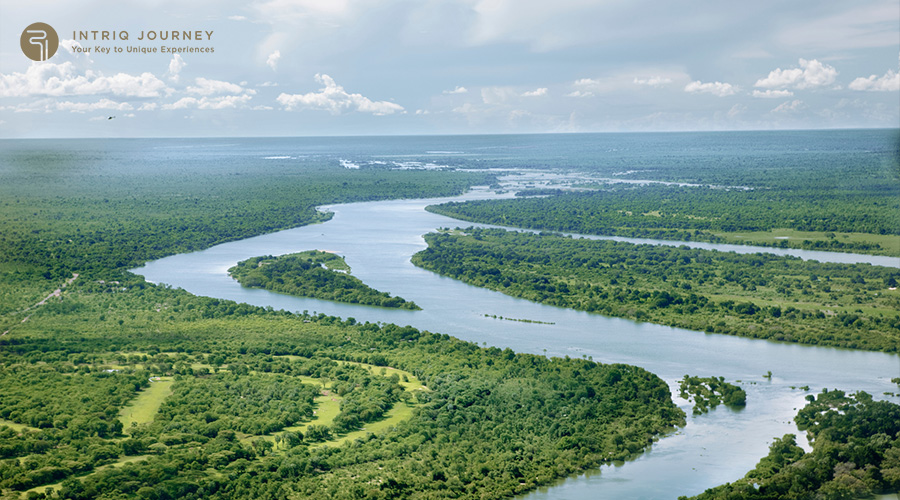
[{"x": 377, "y": 240}]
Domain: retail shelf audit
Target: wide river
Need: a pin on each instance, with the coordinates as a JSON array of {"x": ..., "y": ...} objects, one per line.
[{"x": 378, "y": 239}]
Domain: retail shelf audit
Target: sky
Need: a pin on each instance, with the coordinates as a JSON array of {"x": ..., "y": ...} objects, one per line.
[{"x": 366, "y": 67}]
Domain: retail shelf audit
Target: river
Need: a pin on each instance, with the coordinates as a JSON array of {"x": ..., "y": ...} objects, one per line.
[{"x": 378, "y": 238}]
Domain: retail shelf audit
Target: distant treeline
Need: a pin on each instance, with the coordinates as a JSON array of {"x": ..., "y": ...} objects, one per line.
[{"x": 697, "y": 213}]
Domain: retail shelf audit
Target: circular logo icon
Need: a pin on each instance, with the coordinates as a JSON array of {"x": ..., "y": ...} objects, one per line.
[{"x": 39, "y": 41}]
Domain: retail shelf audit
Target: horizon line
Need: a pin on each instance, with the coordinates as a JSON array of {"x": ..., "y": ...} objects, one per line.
[{"x": 473, "y": 134}]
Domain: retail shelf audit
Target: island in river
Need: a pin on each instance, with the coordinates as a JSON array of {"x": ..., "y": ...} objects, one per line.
[{"x": 315, "y": 274}]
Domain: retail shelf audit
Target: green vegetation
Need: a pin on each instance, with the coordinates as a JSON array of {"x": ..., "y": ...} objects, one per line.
[
  {"x": 758, "y": 296},
  {"x": 858, "y": 213},
  {"x": 316, "y": 274},
  {"x": 245, "y": 415},
  {"x": 709, "y": 392},
  {"x": 246, "y": 376},
  {"x": 856, "y": 453},
  {"x": 90, "y": 206},
  {"x": 248, "y": 402}
]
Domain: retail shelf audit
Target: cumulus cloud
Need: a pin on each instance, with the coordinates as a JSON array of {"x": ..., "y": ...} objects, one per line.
[
  {"x": 715, "y": 88},
  {"x": 333, "y": 98},
  {"x": 772, "y": 94},
  {"x": 457, "y": 90},
  {"x": 889, "y": 82},
  {"x": 206, "y": 86},
  {"x": 653, "y": 81},
  {"x": 221, "y": 102},
  {"x": 789, "y": 107},
  {"x": 810, "y": 74},
  {"x": 47, "y": 79},
  {"x": 536, "y": 92},
  {"x": 580, "y": 93},
  {"x": 175, "y": 66},
  {"x": 273, "y": 59}
]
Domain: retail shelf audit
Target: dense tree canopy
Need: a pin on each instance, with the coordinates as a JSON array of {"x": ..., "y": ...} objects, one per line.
[
  {"x": 755, "y": 295},
  {"x": 316, "y": 274}
]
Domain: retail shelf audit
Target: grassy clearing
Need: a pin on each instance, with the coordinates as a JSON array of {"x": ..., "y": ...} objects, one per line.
[
  {"x": 16, "y": 427},
  {"x": 328, "y": 406},
  {"x": 146, "y": 404},
  {"x": 394, "y": 416}
]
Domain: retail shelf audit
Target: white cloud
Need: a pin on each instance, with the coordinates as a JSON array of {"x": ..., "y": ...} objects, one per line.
[
  {"x": 536, "y": 93},
  {"x": 62, "y": 79},
  {"x": 223, "y": 102},
  {"x": 810, "y": 74},
  {"x": 457, "y": 90},
  {"x": 653, "y": 81},
  {"x": 586, "y": 82},
  {"x": 715, "y": 88},
  {"x": 175, "y": 66},
  {"x": 268, "y": 84},
  {"x": 84, "y": 107},
  {"x": 580, "y": 93},
  {"x": 205, "y": 86},
  {"x": 237, "y": 18},
  {"x": 273, "y": 59},
  {"x": 887, "y": 83},
  {"x": 772, "y": 94},
  {"x": 148, "y": 106},
  {"x": 423, "y": 112},
  {"x": 789, "y": 106},
  {"x": 335, "y": 99}
]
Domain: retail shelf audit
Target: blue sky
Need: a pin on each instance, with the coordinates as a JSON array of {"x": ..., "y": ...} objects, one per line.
[{"x": 350, "y": 67}]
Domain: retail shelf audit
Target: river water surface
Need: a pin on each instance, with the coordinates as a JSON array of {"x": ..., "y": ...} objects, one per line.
[{"x": 378, "y": 238}]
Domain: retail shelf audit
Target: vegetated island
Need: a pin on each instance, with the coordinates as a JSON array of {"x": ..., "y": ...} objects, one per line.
[
  {"x": 855, "y": 454},
  {"x": 709, "y": 392},
  {"x": 758, "y": 296},
  {"x": 314, "y": 274}
]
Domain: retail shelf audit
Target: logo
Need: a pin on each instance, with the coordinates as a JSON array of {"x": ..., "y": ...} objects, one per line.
[{"x": 39, "y": 41}]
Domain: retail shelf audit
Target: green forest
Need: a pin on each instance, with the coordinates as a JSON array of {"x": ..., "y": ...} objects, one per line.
[
  {"x": 116, "y": 388},
  {"x": 860, "y": 214},
  {"x": 315, "y": 274},
  {"x": 754, "y": 295},
  {"x": 242, "y": 373}
]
